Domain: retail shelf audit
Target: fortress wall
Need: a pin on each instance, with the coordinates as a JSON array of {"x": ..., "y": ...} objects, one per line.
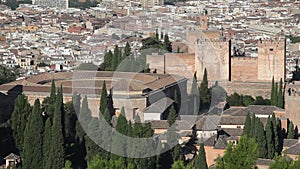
[
  {"x": 182, "y": 64},
  {"x": 271, "y": 60},
  {"x": 243, "y": 69},
  {"x": 247, "y": 88}
]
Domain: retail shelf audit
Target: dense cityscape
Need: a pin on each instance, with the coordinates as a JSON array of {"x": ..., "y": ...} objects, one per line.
[{"x": 156, "y": 84}]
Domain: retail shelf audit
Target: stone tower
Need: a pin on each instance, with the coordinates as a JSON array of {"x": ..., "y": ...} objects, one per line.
[
  {"x": 214, "y": 55},
  {"x": 271, "y": 59}
]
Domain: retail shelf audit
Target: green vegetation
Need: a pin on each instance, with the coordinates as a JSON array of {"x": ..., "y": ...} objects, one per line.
[
  {"x": 87, "y": 66},
  {"x": 243, "y": 155},
  {"x": 270, "y": 139},
  {"x": 14, "y": 4},
  {"x": 245, "y": 100},
  {"x": 124, "y": 61},
  {"x": 7, "y": 75},
  {"x": 294, "y": 39},
  {"x": 33, "y": 140},
  {"x": 82, "y": 5},
  {"x": 284, "y": 162},
  {"x": 277, "y": 94},
  {"x": 19, "y": 117}
]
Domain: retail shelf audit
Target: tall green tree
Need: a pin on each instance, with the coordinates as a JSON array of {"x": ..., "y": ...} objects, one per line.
[
  {"x": 253, "y": 123},
  {"x": 172, "y": 115},
  {"x": 19, "y": 118},
  {"x": 103, "y": 98},
  {"x": 291, "y": 130},
  {"x": 92, "y": 138},
  {"x": 280, "y": 100},
  {"x": 108, "y": 57},
  {"x": 166, "y": 44},
  {"x": 247, "y": 125},
  {"x": 273, "y": 92},
  {"x": 57, "y": 149},
  {"x": 260, "y": 138},
  {"x": 115, "y": 59},
  {"x": 127, "y": 50},
  {"x": 122, "y": 129},
  {"x": 199, "y": 161},
  {"x": 47, "y": 144},
  {"x": 204, "y": 92},
  {"x": 276, "y": 129},
  {"x": 33, "y": 141},
  {"x": 270, "y": 139}
]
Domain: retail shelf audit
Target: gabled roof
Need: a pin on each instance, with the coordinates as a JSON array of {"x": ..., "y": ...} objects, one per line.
[
  {"x": 257, "y": 109},
  {"x": 159, "y": 106},
  {"x": 208, "y": 123},
  {"x": 12, "y": 156},
  {"x": 232, "y": 120},
  {"x": 221, "y": 142}
]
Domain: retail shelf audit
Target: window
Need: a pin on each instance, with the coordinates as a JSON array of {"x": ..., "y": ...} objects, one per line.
[{"x": 271, "y": 49}]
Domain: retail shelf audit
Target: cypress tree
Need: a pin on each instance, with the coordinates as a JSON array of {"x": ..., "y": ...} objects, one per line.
[
  {"x": 247, "y": 126},
  {"x": 166, "y": 44},
  {"x": 115, "y": 58},
  {"x": 291, "y": 130},
  {"x": 172, "y": 116},
  {"x": 33, "y": 140},
  {"x": 204, "y": 92},
  {"x": 273, "y": 98},
  {"x": 200, "y": 160},
  {"x": 122, "y": 129},
  {"x": 253, "y": 123},
  {"x": 85, "y": 114},
  {"x": 127, "y": 50},
  {"x": 52, "y": 92},
  {"x": 106, "y": 133},
  {"x": 260, "y": 138},
  {"x": 19, "y": 118},
  {"x": 276, "y": 94},
  {"x": 270, "y": 139},
  {"x": 276, "y": 134},
  {"x": 57, "y": 150},
  {"x": 108, "y": 57},
  {"x": 47, "y": 141},
  {"x": 103, "y": 99},
  {"x": 280, "y": 102},
  {"x": 50, "y": 101},
  {"x": 92, "y": 139}
]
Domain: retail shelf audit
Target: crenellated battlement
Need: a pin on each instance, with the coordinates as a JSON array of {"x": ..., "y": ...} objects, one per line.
[
  {"x": 275, "y": 42},
  {"x": 213, "y": 42}
]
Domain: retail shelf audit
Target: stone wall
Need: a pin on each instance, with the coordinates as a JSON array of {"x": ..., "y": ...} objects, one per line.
[
  {"x": 243, "y": 69},
  {"x": 213, "y": 55},
  {"x": 248, "y": 88},
  {"x": 271, "y": 60},
  {"x": 292, "y": 103},
  {"x": 182, "y": 64}
]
